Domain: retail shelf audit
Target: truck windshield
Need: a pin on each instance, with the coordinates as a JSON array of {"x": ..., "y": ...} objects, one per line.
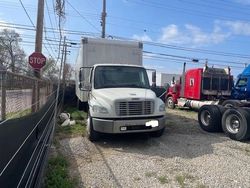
[
  {"x": 120, "y": 76},
  {"x": 242, "y": 82}
]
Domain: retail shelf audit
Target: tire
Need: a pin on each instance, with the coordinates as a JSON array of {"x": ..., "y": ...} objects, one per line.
[
  {"x": 231, "y": 103},
  {"x": 209, "y": 117},
  {"x": 236, "y": 123},
  {"x": 92, "y": 135},
  {"x": 157, "y": 133},
  {"x": 170, "y": 103}
]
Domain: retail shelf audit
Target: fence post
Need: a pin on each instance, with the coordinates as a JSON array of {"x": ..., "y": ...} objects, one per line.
[
  {"x": 3, "y": 98},
  {"x": 38, "y": 100}
]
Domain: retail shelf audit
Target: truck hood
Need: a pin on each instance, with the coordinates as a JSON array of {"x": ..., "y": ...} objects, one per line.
[{"x": 113, "y": 94}]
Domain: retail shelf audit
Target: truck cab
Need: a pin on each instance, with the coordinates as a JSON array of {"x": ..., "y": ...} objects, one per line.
[
  {"x": 200, "y": 86},
  {"x": 241, "y": 90},
  {"x": 120, "y": 100}
]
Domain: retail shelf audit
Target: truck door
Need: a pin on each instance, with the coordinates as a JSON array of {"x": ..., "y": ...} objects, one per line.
[{"x": 241, "y": 89}]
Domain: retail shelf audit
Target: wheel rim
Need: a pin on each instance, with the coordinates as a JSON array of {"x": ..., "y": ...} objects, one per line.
[
  {"x": 170, "y": 102},
  {"x": 233, "y": 124},
  {"x": 205, "y": 117},
  {"x": 228, "y": 105}
]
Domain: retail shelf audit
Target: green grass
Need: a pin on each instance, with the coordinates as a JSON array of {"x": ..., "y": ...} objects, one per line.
[
  {"x": 21, "y": 113},
  {"x": 75, "y": 113},
  {"x": 78, "y": 129},
  {"x": 57, "y": 175},
  {"x": 162, "y": 179}
]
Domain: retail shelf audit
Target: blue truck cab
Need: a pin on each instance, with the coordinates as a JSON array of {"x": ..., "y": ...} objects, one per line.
[{"x": 241, "y": 90}]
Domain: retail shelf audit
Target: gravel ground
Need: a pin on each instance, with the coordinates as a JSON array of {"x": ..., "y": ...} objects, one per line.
[{"x": 185, "y": 156}]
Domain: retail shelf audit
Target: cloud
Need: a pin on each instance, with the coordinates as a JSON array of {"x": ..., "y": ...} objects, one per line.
[
  {"x": 237, "y": 27},
  {"x": 143, "y": 37},
  {"x": 172, "y": 34},
  {"x": 191, "y": 34}
]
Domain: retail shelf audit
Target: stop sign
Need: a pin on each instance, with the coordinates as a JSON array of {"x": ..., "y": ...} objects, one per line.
[{"x": 37, "y": 60}]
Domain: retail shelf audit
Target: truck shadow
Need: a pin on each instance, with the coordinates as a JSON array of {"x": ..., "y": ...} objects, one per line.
[{"x": 182, "y": 138}]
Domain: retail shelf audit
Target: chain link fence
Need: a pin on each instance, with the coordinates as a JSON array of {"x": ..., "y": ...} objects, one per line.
[{"x": 21, "y": 95}]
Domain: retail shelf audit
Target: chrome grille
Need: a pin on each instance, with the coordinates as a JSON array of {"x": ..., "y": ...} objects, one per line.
[{"x": 126, "y": 108}]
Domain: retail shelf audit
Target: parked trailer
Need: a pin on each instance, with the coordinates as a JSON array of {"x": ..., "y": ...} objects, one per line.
[
  {"x": 110, "y": 79},
  {"x": 234, "y": 122}
]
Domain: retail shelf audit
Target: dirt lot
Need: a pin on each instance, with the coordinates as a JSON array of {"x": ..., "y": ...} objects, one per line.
[{"x": 185, "y": 156}]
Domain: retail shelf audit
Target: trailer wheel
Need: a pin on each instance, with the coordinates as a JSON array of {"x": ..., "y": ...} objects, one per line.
[
  {"x": 231, "y": 103},
  {"x": 170, "y": 103},
  {"x": 157, "y": 133},
  {"x": 209, "y": 117},
  {"x": 236, "y": 123},
  {"x": 92, "y": 135}
]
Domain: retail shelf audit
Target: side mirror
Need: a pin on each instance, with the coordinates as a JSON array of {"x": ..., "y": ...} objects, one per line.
[
  {"x": 84, "y": 79},
  {"x": 154, "y": 78},
  {"x": 85, "y": 86}
]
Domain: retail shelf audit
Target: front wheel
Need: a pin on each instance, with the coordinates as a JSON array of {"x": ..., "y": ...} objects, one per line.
[
  {"x": 92, "y": 135},
  {"x": 170, "y": 103},
  {"x": 158, "y": 133}
]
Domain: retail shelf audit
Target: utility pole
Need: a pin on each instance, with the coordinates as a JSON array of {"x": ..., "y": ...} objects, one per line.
[
  {"x": 39, "y": 31},
  {"x": 38, "y": 48},
  {"x": 64, "y": 72},
  {"x": 104, "y": 14}
]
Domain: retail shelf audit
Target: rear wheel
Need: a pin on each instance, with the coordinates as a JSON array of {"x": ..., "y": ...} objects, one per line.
[
  {"x": 236, "y": 123},
  {"x": 209, "y": 117},
  {"x": 91, "y": 133},
  {"x": 170, "y": 103}
]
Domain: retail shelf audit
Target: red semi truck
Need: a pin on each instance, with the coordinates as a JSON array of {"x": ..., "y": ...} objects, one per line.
[{"x": 200, "y": 86}]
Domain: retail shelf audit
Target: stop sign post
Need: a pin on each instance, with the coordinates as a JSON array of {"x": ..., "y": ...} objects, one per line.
[{"x": 37, "y": 60}]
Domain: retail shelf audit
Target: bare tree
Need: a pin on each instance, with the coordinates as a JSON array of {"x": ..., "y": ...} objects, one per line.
[
  {"x": 11, "y": 55},
  {"x": 67, "y": 72},
  {"x": 50, "y": 70}
]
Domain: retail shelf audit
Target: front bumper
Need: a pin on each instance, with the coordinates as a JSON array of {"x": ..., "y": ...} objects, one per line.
[{"x": 127, "y": 125}]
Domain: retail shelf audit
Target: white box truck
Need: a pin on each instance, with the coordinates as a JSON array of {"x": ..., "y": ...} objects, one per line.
[{"x": 111, "y": 80}]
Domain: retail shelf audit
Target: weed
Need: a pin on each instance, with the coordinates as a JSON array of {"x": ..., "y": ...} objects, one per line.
[
  {"x": 57, "y": 174},
  {"x": 137, "y": 178},
  {"x": 180, "y": 179},
  {"x": 247, "y": 150},
  {"x": 201, "y": 186},
  {"x": 163, "y": 179},
  {"x": 150, "y": 174}
]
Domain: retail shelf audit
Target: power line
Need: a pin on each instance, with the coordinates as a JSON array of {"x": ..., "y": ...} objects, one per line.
[
  {"x": 83, "y": 17},
  {"x": 47, "y": 8},
  {"x": 185, "y": 58},
  {"x": 26, "y": 13},
  {"x": 183, "y": 10}
]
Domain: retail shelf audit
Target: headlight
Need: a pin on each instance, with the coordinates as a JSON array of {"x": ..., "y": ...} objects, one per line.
[
  {"x": 162, "y": 108},
  {"x": 100, "y": 109}
]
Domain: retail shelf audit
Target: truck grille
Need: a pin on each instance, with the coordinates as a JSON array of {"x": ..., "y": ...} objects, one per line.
[{"x": 127, "y": 108}]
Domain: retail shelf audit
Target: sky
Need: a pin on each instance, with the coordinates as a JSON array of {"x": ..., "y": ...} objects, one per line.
[{"x": 173, "y": 31}]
